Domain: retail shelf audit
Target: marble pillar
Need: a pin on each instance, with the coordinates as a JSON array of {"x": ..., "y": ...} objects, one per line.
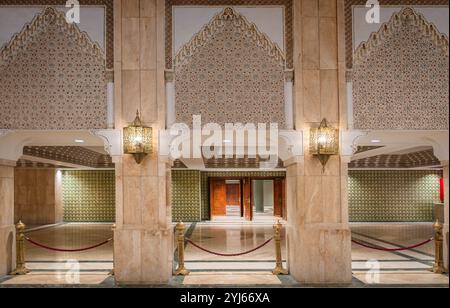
[
  {"x": 37, "y": 196},
  {"x": 319, "y": 237},
  {"x": 143, "y": 238},
  {"x": 7, "y": 229},
  {"x": 446, "y": 228}
]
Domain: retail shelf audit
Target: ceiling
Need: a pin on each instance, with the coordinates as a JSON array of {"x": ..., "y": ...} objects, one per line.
[
  {"x": 65, "y": 156},
  {"x": 402, "y": 159}
]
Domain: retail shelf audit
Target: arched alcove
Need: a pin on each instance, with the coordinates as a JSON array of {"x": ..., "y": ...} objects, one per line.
[
  {"x": 230, "y": 72},
  {"x": 400, "y": 76},
  {"x": 52, "y": 76}
]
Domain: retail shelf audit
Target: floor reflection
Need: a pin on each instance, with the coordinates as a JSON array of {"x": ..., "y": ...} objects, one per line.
[{"x": 409, "y": 267}]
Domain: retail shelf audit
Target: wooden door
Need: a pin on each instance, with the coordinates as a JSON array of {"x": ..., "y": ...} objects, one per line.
[
  {"x": 234, "y": 194},
  {"x": 218, "y": 197},
  {"x": 279, "y": 198},
  {"x": 247, "y": 199}
]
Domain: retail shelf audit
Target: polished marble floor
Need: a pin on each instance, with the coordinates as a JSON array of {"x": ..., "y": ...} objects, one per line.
[{"x": 230, "y": 236}]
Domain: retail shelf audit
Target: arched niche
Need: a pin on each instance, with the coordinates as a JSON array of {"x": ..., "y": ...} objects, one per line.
[
  {"x": 400, "y": 76},
  {"x": 230, "y": 72},
  {"x": 52, "y": 76}
]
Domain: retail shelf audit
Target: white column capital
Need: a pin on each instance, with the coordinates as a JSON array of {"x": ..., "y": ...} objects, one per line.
[
  {"x": 349, "y": 141},
  {"x": 169, "y": 75},
  {"x": 289, "y": 75},
  {"x": 112, "y": 140},
  {"x": 294, "y": 160}
]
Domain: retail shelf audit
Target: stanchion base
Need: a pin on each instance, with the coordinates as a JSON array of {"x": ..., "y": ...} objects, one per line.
[
  {"x": 438, "y": 270},
  {"x": 181, "y": 272},
  {"x": 20, "y": 271},
  {"x": 280, "y": 271}
]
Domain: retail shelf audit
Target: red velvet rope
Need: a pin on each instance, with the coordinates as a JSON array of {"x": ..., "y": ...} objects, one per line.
[
  {"x": 231, "y": 254},
  {"x": 67, "y": 250},
  {"x": 392, "y": 249}
]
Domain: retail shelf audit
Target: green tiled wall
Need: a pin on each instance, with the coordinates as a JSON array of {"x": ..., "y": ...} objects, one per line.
[
  {"x": 88, "y": 196},
  {"x": 186, "y": 196},
  {"x": 392, "y": 196}
]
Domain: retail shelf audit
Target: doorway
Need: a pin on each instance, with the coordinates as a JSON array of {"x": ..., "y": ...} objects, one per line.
[
  {"x": 263, "y": 196},
  {"x": 247, "y": 198}
]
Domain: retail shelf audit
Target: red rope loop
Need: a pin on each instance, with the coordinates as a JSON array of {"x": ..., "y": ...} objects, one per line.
[
  {"x": 392, "y": 249},
  {"x": 67, "y": 250},
  {"x": 230, "y": 254}
]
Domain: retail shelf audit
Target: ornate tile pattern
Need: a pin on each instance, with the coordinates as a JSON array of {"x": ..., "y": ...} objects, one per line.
[
  {"x": 109, "y": 8},
  {"x": 401, "y": 75},
  {"x": 178, "y": 164},
  {"x": 234, "y": 73},
  {"x": 392, "y": 196},
  {"x": 348, "y": 8},
  {"x": 362, "y": 149},
  {"x": 240, "y": 163},
  {"x": 88, "y": 196},
  {"x": 24, "y": 163},
  {"x": 71, "y": 154},
  {"x": 186, "y": 196},
  {"x": 410, "y": 160},
  {"x": 289, "y": 26},
  {"x": 52, "y": 76}
]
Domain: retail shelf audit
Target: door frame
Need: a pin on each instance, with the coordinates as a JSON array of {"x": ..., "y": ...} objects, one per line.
[{"x": 241, "y": 179}]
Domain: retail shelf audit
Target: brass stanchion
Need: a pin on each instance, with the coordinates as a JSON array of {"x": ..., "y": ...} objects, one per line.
[
  {"x": 181, "y": 270},
  {"x": 279, "y": 270},
  {"x": 21, "y": 269},
  {"x": 438, "y": 266},
  {"x": 113, "y": 228}
]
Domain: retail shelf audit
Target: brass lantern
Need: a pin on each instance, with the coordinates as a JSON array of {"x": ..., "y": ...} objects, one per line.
[
  {"x": 324, "y": 142},
  {"x": 137, "y": 139}
]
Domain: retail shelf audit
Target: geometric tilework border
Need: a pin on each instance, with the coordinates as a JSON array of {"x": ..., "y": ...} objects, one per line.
[
  {"x": 392, "y": 196},
  {"x": 88, "y": 196},
  {"x": 411, "y": 160}
]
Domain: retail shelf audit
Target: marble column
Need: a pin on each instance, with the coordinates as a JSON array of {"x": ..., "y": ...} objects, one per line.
[
  {"x": 37, "y": 196},
  {"x": 288, "y": 98},
  {"x": 143, "y": 239},
  {"x": 446, "y": 228},
  {"x": 319, "y": 237},
  {"x": 170, "y": 98},
  {"x": 143, "y": 245},
  {"x": 7, "y": 230}
]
